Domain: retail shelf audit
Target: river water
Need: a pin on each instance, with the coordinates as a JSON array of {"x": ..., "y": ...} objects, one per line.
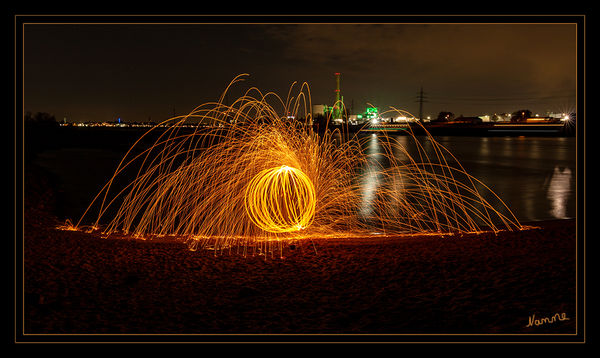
[{"x": 534, "y": 176}]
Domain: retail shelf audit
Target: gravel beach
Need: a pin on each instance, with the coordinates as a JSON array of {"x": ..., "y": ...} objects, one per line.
[{"x": 79, "y": 283}]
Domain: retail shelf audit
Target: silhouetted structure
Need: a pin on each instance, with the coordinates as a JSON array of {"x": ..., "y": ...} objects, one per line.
[
  {"x": 520, "y": 115},
  {"x": 421, "y": 98},
  {"x": 444, "y": 117}
]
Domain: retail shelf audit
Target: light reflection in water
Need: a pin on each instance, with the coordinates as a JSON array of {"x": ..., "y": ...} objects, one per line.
[
  {"x": 371, "y": 178},
  {"x": 534, "y": 176},
  {"x": 559, "y": 191}
]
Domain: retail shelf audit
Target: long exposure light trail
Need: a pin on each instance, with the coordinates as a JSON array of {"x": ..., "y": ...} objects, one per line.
[
  {"x": 254, "y": 175},
  {"x": 280, "y": 200}
]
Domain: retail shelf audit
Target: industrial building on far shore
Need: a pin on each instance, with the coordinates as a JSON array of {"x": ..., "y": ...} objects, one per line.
[{"x": 339, "y": 113}]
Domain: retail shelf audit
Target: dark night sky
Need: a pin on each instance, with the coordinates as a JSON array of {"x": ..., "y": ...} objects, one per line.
[{"x": 94, "y": 72}]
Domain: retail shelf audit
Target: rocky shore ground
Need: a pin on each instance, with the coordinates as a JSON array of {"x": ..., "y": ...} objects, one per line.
[{"x": 79, "y": 283}]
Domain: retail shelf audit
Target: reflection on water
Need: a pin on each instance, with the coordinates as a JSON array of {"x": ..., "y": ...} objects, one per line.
[
  {"x": 559, "y": 191},
  {"x": 534, "y": 176},
  {"x": 370, "y": 180}
]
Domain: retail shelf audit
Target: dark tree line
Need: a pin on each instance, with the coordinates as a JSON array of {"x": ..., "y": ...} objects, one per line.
[
  {"x": 40, "y": 119},
  {"x": 520, "y": 115}
]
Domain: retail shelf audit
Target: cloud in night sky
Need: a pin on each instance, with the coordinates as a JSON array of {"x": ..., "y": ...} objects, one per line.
[
  {"x": 450, "y": 60},
  {"x": 140, "y": 71}
]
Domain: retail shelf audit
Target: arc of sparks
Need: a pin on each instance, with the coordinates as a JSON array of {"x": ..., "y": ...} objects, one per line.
[{"x": 223, "y": 181}]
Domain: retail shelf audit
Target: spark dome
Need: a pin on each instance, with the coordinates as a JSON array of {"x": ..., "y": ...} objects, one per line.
[{"x": 259, "y": 172}]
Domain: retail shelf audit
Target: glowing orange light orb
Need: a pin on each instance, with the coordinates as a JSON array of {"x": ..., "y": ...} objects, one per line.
[{"x": 280, "y": 200}]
